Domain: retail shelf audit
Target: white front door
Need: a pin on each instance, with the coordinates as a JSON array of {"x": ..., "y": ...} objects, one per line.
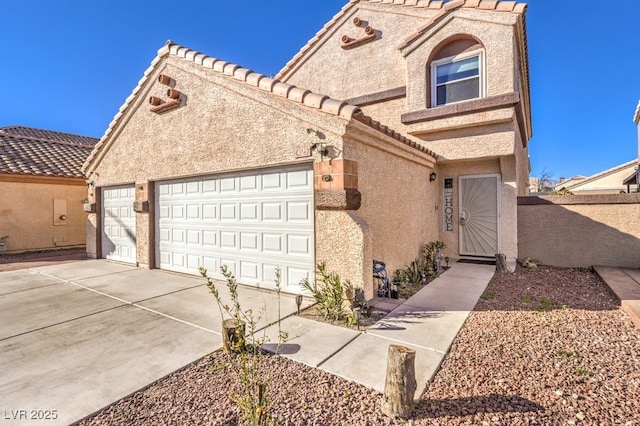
[
  {"x": 253, "y": 222},
  {"x": 479, "y": 215},
  {"x": 119, "y": 224}
]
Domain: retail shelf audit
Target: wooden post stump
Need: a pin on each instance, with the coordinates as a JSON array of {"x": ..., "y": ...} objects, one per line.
[
  {"x": 233, "y": 335},
  {"x": 400, "y": 384},
  {"x": 501, "y": 263}
]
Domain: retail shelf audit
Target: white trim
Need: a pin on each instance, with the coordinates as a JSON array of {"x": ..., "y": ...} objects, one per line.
[{"x": 482, "y": 90}]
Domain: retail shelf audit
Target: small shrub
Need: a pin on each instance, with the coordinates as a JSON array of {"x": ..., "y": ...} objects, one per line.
[
  {"x": 429, "y": 255},
  {"x": 247, "y": 360},
  {"x": 488, "y": 295},
  {"x": 564, "y": 353},
  {"x": 584, "y": 372},
  {"x": 545, "y": 305},
  {"x": 330, "y": 295}
]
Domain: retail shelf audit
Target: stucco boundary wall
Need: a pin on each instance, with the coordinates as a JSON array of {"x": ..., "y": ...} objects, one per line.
[{"x": 580, "y": 230}]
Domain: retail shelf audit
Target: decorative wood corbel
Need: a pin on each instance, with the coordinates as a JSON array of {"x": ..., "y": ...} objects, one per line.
[{"x": 370, "y": 35}]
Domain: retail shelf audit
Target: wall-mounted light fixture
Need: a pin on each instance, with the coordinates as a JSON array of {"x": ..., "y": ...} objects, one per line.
[
  {"x": 63, "y": 217},
  {"x": 432, "y": 176},
  {"x": 320, "y": 147}
]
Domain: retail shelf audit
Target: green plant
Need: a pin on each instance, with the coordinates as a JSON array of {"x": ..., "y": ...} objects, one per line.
[
  {"x": 413, "y": 272},
  {"x": 584, "y": 372},
  {"x": 488, "y": 295},
  {"x": 545, "y": 304},
  {"x": 330, "y": 295},
  {"x": 247, "y": 358},
  {"x": 429, "y": 255},
  {"x": 526, "y": 298},
  {"x": 564, "y": 353}
]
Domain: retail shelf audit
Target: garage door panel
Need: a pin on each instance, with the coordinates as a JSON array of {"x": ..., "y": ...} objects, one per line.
[
  {"x": 298, "y": 180},
  {"x": 298, "y": 245},
  {"x": 250, "y": 221},
  {"x": 118, "y": 224},
  {"x": 299, "y": 211}
]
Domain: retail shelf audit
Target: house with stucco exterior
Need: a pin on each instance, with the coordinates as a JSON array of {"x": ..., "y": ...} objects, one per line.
[
  {"x": 614, "y": 180},
  {"x": 42, "y": 189},
  {"x": 397, "y": 124}
]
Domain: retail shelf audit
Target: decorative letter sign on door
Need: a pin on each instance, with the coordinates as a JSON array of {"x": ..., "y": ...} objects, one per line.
[{"x": 448, "y": 204}]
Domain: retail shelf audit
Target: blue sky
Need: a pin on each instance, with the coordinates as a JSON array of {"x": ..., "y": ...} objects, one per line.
[{"x": 68, "y": 65}]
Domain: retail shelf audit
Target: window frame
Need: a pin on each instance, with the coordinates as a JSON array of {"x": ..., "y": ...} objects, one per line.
[{"x": 455, "y": 58}]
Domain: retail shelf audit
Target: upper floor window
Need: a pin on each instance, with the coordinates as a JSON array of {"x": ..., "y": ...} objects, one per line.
[{"x": 457, "y": 78}]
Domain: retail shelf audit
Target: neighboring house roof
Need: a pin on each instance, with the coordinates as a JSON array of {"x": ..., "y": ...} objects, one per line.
[
  {"x": 30, "y": 151},
  {"x": 564, "y": 183},
  {"x": 295, "y": 94},
  {"x": 443, "y": 7},
  {"x": 601, "y": 175}
]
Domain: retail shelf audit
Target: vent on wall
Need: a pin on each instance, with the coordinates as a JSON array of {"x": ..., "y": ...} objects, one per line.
[{"x": 174, "y": 96}]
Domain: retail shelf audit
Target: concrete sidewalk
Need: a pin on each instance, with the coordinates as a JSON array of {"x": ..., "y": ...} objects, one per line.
[
  {"x": 76, "y": 337},
  {"x": 427, "y": 322},
  {"x": 624, "y": 283}
]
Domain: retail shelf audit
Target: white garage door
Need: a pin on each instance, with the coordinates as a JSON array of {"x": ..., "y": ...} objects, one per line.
[
  {"x": 119, "y": 224},
  {"x": 252, "y": 222}
]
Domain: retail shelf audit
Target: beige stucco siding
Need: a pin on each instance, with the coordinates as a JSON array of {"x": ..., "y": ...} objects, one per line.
[
  {"x": 398, "y": 201},
  {"x": 354, "y": 72},
  {"x": 472, "y": 143},
  {"x": 495, "y": 37},
  {"x": 27, "y": 215},
  {"x": 219, "y": 129},
  {"x": 344, "y": 244},
  {"x": 572, "y": 231}
]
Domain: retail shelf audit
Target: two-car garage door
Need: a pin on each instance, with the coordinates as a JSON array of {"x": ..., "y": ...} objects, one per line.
[{"x": 252, "y": 222}]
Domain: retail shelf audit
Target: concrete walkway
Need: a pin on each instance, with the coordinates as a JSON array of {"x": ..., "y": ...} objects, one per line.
[
  {"x": 76, "y": 337},
  {"x": 624, "y": 283},
  {"x": 427, "y": 322}
]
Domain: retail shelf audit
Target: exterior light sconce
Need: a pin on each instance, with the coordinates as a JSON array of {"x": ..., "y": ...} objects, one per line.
[
  {"x": 63, "y": 217},
  {"x": 320, "y": 147},
  {"x": 432, "y": 176}
]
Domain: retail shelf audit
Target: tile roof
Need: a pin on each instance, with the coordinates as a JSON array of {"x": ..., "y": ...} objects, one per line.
[
  {"x": 442, "y": 6},
  {"x": 295, "y": 94},
  {"x": 30, "y": 151},
  {"x": 636, "y": 114}
]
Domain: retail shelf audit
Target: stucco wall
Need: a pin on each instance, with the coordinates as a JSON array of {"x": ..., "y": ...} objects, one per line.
[
  {"x": 348, "y": 73},
  {"x": 27, "y": 215},
  {"x": 398, "y": 201},
  {"x": 496, "y": 38},
  {"x": 345, "y": 247},
  {"x": 224, "y": 126},
  {"x": 580, "y": 231}
]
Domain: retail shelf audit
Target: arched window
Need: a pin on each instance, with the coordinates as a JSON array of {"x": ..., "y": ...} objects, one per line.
[{"x": 457, "y": 72}]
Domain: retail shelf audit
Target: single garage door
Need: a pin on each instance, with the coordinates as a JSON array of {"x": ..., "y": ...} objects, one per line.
[
  {"x": 252, "y": 222},
  {"x": 119, "y": 224}
]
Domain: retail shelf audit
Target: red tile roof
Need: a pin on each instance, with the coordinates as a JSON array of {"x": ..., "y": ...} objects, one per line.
[{"x": 30, "y": 151}]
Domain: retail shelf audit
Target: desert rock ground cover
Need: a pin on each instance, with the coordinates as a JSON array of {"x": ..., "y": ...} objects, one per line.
[{"x": 547, "y": 346}]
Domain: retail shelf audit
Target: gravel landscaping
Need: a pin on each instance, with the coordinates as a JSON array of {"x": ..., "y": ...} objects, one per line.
[{"x": 543, "y": 346}]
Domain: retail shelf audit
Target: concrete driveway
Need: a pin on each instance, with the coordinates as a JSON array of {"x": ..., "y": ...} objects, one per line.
[{"x": 78, "y": 336}]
